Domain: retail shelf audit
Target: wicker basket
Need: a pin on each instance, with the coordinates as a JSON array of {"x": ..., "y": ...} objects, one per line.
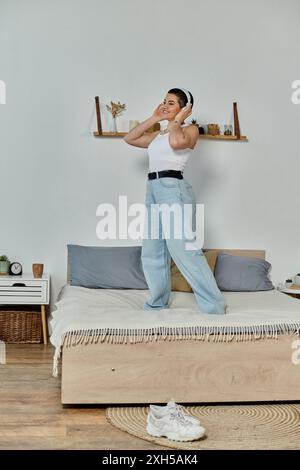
[{"x": 20, "y": 324}]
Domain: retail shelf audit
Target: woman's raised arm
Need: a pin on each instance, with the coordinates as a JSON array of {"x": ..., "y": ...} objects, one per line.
[{"x": 141, "y": 128}]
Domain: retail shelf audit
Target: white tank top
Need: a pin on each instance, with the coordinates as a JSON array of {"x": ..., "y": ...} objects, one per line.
[{"x": 163, "y": 157}]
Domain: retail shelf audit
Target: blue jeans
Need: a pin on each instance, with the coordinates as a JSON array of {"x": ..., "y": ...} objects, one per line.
[{"x": 157, "y": 252}]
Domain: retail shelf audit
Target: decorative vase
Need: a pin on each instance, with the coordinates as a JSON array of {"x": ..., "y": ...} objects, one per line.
[
  {"x": 37, "y": 269},
  {"x": 133, "y": 124},
  {"x": 4, "y": 267},
  {"x": 228, "y": 129},
  {"x": 114, "y": 125},
  {"x": 213, "y": 129},
  {"x": 297, "y": 279}
]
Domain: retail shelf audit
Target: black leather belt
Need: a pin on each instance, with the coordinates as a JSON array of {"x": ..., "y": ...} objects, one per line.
[{"x": 170, "y": 173}]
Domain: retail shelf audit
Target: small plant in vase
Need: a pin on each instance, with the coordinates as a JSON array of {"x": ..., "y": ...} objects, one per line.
[
  {"x": 115, "y": 109},
  {"x": 200, "y": 129},
  {"x": 4, "y": 265},
  {"x": 194, "y": 121}
]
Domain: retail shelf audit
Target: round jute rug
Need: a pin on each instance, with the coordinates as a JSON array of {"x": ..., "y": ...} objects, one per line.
[{"x": 255, "y": 426}]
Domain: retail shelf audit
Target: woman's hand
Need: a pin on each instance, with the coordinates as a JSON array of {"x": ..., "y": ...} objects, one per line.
[
  {"x": 158, "y": 113},
  {"x": 185, "y": 112}
]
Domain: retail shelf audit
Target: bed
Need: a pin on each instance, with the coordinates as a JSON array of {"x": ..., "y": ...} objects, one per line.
[{"x": 113, "y": 352}]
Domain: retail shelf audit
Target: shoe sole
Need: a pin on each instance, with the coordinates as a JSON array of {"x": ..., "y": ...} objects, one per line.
[{"x": 153, "y": 432}]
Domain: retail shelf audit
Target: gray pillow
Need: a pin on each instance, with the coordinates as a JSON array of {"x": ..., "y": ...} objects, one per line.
[
  {"x": 118, "y": 267},
  {"x": 242, "y": 273}
]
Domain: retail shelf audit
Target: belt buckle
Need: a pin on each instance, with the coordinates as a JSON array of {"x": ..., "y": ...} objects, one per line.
[{"x": 157, "y": 175}]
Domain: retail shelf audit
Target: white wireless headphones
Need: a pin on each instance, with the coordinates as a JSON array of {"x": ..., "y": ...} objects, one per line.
[{"x": 187, "y": 94}]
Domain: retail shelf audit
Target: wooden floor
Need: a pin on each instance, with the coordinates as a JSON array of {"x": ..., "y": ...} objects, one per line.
[{"x": 32, "y": 417}]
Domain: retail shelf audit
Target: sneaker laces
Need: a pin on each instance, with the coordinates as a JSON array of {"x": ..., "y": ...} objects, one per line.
[
  {"x": 180, "y": 408},
  {"x": 177, "y": 412}
]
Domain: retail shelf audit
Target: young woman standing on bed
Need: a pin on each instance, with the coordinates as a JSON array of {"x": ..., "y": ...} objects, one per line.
[{"x": 168, "y": 152}]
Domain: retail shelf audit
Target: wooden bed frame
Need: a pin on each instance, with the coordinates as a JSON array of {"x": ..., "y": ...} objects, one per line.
[{"x": 187, "y": 371}]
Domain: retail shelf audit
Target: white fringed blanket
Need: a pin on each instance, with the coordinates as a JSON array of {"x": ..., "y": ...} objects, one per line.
[{"x": 84, "y": 316}]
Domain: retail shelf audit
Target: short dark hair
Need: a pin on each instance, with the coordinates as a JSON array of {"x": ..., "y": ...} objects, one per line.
[{"x": 182, "y": 96}]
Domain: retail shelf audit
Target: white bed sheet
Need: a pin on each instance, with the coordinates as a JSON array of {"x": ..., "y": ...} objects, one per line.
[{"x": 80, "y": 308}]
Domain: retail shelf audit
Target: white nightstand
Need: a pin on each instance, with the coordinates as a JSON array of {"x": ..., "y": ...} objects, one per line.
[
  {"x": 27, "y": 290},
  {"x": 293, "y": 292}
]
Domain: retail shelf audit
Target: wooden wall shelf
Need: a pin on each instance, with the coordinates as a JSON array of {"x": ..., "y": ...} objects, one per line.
[
  {"x": 110, "y": 134},
  {"x": 222, "y": 137},
  {"x": 201, "y": 136},
  {"x": 237, "y": 132}
]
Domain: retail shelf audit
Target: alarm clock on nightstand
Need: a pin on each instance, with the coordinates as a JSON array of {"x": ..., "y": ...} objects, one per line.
[{"x": 15, "y": 269}]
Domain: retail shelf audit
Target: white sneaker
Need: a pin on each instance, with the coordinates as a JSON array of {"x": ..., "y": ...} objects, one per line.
[
  {"x": 173, "y": 425},
  {"x": 162, "y": 410}
]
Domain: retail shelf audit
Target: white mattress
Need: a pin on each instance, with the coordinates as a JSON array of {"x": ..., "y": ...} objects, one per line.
[{"x": 80, "y": 308}]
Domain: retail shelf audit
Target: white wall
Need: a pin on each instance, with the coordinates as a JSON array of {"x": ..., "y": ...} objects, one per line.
[{"x": 55, "y": 56}]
